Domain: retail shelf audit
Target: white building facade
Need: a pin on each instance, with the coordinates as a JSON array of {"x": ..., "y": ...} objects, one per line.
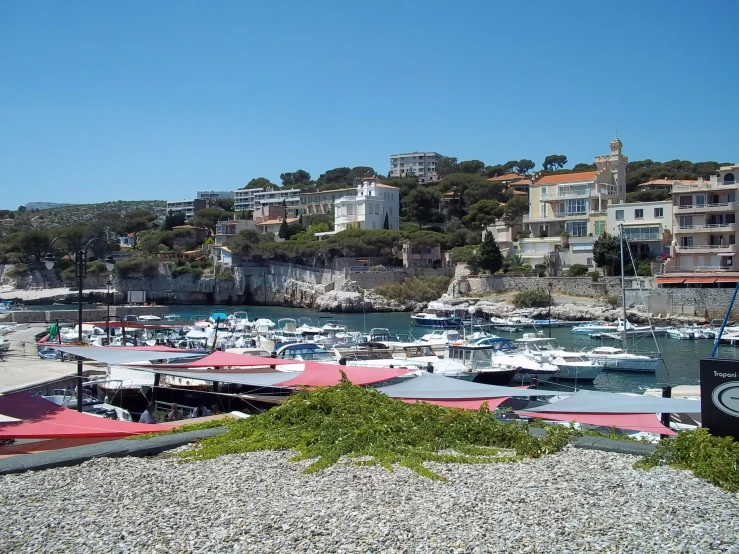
[
  {"x": 214, "y": 194},
  {"x": 644, "y": 225},
  {"x": 369, "y": 208},
  {"x": 418, "y": 164},
  {"x": 251, "y": 199}
]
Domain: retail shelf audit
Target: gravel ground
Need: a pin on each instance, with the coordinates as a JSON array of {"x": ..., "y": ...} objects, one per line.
[{"x": 575, "y": 501}]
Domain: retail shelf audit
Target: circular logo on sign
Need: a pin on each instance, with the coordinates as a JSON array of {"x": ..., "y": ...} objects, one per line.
[{"x": 726, "y": 398}]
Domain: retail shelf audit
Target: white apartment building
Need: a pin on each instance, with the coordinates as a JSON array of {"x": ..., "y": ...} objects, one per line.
[
  {"x": 252, "y": 199},
  {"x": 705, "y": 225},
  {"x": 214, "y": 194},
  {"x": 244, "y": 199},
  {"x": 367, "y": 209},
  {"x": 646, "y": 225},
  {"x": 189, "y": 207},
  {"x": 418, "y": 164}
]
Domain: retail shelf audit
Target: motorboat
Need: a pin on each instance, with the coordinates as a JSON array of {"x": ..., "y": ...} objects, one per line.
[
  {"x": 330, "y": 324},
  {"x": 439, "y": 316},
  {"x": 302, "y": 351},
  {"x": 306, "y": 327},
  {"x": 618, "y": 359},
  {"x": 572, "y": 366},
  {"x": 682, "y": 334},
  {"x": 549, "y": 322},
  {"x": 594, "y": 327},
  {"x": 442, "y": 337},
  {"x": 148, "y": 318},
  {"x": 90, "y": 405},
  {"x": 381, "y": 334},
  {"x": 494, "y": 354}
]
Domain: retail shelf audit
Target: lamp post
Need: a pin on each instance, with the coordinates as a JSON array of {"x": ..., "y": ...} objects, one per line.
[
  {"x": 549, "y": 288},
  {"x": 80, "y": 272},
  {"x": 108, "y": 298}
]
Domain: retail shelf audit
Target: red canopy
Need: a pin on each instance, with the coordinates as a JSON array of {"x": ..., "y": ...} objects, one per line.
[
  {"x": 317, "y": 374},
  {"x": 43, "y": 419},
  {"x": 634, "y": 422},
  {"x": 465, "y": 404},
  {"x": 227, "y": 359}
]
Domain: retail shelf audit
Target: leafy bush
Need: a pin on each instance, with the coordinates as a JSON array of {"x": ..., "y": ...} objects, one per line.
[
  {"x": 468, "y": 254},
  {"x": 346, "y": 420},
  {"x": 577, "y": 270},
  {"x": 140, "y": 266},
  {"x": 594, "y": 275},
  {"x": 644, "y": 269},
  {"x": 537, "y": 298},
  {"x": 20, "y": 270},
  {"x": 180, "y": 270},
  {"x": 415, "y": 289},
  {"x": 711, "y": 458},
  {"x": 612, "y": 300},
  {"x": 225, "y": 276}
]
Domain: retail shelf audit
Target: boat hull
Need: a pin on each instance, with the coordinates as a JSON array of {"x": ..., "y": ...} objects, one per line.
[
  {"x": 577, "y": 373},
  {"x": 528, "y": 376},
  {"x": 629, "y": 365},
  {"x": 498, "y": 377},
  {"x": 442, "y": 323}
]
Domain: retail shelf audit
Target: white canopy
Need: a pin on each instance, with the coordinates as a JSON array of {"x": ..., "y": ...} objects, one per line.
[{"x": 587, "y": 401}]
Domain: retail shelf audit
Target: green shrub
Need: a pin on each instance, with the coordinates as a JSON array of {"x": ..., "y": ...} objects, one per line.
[
  {"x": 180, "y": 270},
  {"x": 225, "y": 276},
  {"x": 594, "y": 275},
  {"x": 577, "y": 270},
  {"x": 537, "y": 298},
  {"x": 346, "y": 420},
  {"x": 140, "y": 266},
  {"x": 20, "y": 270},
  {"x": 612, "y": 300},
  {"x": 644, "y": 269},
  {"x": 711, "y": 458},
  {"x": 415, "y": 289}
]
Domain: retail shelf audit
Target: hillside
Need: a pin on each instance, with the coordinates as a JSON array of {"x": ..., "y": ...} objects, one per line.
[
  {"x": 82, "y": 213},
  {"x": 44, "y": 205}
]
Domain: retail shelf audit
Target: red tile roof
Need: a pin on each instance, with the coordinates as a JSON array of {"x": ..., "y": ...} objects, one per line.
[
  {"x": 506, "y": 177},
  {"x": 277, "y": 221},
  {"x": 654, "y": 182},
  {"x": 567, "y": 178}
]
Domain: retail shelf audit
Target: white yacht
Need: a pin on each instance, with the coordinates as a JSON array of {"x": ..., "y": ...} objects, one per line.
[
  {"x": 573, "y": 366},
  {"x": 618, "y": 359}
]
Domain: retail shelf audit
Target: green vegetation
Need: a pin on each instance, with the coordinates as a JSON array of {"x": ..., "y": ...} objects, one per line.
[
  {"x": 577, "y": 270},
  {"x": 490, "y": 258},
  {"x": 415, "y": 289},
  {"x": 345, "y": 420},
  {"x": 139, "y": 266},
  {"x": 20, "y": 270},
  {"x": 538, "y": 298},
  {"x": 711, "y": 458}
]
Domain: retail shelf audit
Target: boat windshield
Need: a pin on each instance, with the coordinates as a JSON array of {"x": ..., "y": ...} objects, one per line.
[
  {"x": 418, "y": 351},
  {"x": 306, "y": 352}
]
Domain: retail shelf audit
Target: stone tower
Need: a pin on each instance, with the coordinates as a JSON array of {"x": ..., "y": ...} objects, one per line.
[{"x": 615, "y": 162}]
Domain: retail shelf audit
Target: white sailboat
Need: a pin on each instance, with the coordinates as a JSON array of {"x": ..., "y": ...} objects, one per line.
[{"x": 620, "y": 359}]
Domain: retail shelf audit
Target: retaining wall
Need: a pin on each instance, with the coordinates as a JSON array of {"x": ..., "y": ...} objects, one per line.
[
  {"x": 706, "y": 303},
  {"x": 94, "y": 314},
  {"x": 573, "y": 286}
]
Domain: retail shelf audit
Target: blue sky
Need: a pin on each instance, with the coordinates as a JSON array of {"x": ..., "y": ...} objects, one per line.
[{"x": 134, "y": 99}]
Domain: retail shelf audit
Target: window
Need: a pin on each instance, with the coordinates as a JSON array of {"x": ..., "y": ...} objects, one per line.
[
  {"x": 686, "y": 241},
  {"x": 576, "y": 207},
  {"x": 600, "y": 228},
  {"x": 589, "y": 262},
  {"x": 686, "y": 221},
  {"x": 579, "y": 229},
  {"x": 639, "y": 214},
  {"x": 700, "y": 200},
  {"x": 732, "y": 239},
  {"x": 730, "y": 218},
  {"x": 659, "y": 212},
  {"x": 732, "y": 197},
  {"x": 619, "y": 215}
]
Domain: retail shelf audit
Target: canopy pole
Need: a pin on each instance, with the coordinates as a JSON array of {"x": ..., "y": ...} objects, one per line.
[
  {"x": 723, "y": 324},
  {"x": 666, "y": 393}
]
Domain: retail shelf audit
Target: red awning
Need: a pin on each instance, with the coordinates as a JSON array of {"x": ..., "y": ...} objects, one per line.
[
  {"x": 693, "y": 280},
  {"x": 227, "y": 359},
  {"x": 728, "y": 279},
  {"x": 43, "y": 419},
  {"x": 317, "y": 374},
  {"x": 465, "y": 404},
  {"x": 634, "y": 422},
  {"x": 670, "y": 280}
]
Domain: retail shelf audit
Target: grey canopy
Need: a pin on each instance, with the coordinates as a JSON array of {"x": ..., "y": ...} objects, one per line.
[
  {"x": 266, "y": 379},
  {"x": 431, "y": 386},
  {"x": 586, "y": 401},
  {"x": 115, "y": 355}
]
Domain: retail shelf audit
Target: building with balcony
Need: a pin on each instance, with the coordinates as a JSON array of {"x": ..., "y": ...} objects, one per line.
[
  {"x": 368, "y": 208},
  {"x": 227, "y": 230},
  {"x": 418, "y": 164},
  {"x": 190, "y": 207},
  {"x": 513, "y": 181},
  {"x": 244, "y": 199},
  {"x": 290, "y": 198},
  {"x": 705, "y": 226},
  {"x": 214, "y": 194},
  {"x": 421, "y": 256},
  {"x": 663, "y": 184},
  {"x": 646, "y": 225},
  {"x": 576, "y": 203},
  {"x": 322, "y": 202}
]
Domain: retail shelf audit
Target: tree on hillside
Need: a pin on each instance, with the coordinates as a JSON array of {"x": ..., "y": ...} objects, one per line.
[
  {"x": 489, "y": 258},
  {"x": 34, "y": 244},
  {"x": 173, "y": 220},
  {"x": 554, "y": 161},
  {"x": 246, "y": 243},
  {"x": 295, "y": 178},
  {"x": 207, "y": 218},
  {"x": 136, "y": 221},
  {"x": 446, "y": 166},
  {"x": 226, "y": 204},
  {"x": 470, "y": 166},
  {"x": 494, "y": 171},
  {"x": 515, "y": 209},
  {"x": 522, "y": 167},
  {"x": 477, "y": 188},
  {"x": 421, "y": 205},
  {"x": 482, "y": 214},
  {"x": 260, "y": 183},
  {"x": 584, "y": 167},
  {"x": 607, "y": 254}
]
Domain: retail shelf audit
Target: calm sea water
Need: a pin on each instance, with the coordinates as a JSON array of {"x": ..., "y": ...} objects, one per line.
[{"x": 681, "y": 358}]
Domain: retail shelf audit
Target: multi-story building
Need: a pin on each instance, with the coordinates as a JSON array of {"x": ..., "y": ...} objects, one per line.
[
  {"x": 368, "y": 208},
  {"x": 190, "y": 207},
  {"x": 290, "y": 198},
  {"x": 418, "y": 164},
  {"x": 244, "y": 199},
  {"x": 646, "y": 225},
  {"x": 576, "y": 203},
  {"x": 705, "y": 224},
  {"x": 322, "y": 202},
  {"x": 227, "y": 230},
  {"x": 214, "y": 194}
]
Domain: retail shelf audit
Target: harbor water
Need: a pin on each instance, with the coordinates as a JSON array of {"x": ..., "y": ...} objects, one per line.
[{"x": 681, "y": 357}]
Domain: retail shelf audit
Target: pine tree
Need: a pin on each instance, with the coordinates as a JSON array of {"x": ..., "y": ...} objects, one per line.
[
  {"x": 284, "y": 229},
  {"x": 490, "y": 258}
]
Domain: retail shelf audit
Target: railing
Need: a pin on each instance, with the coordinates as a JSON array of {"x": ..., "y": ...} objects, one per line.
[
  {"x": 701, "y": 206},
  {"x": 346, "y": 218},
  {"x": 708, "y": 226},
  {"x": 703, "y": 246},
  {"x": 570, "y": 214},
  {"x": 576, "y": 194},
  {"x": 643, "y": 236},
  {"x": 697, "y": 269}
]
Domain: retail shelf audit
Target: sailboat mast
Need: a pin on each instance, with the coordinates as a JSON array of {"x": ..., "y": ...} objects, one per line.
[{"x": 623, "y": 288}]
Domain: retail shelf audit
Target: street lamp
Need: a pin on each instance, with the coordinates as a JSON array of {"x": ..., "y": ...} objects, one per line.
[
  {"x": 549, "y": 287},
  {"x": 108, "y": 299},
  {"x": 80, "y": 267}
]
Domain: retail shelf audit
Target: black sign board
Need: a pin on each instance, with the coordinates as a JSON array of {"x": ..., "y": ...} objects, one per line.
[{"x": 720, "y": 396}]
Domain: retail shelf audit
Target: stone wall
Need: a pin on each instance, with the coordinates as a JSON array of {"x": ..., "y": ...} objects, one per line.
[
  {"x": 703, "y": 303},
  {"x": 572, "y": 286},
  {"x": 70, "y": 315}
]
